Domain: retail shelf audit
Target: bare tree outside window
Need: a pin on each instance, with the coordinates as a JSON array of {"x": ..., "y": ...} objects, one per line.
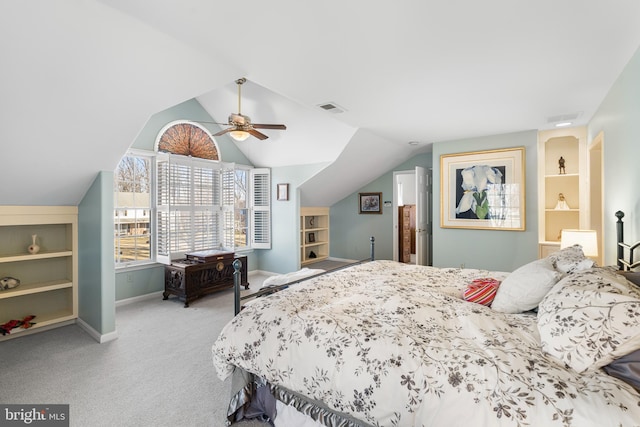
[
  {"x": 241, "y": 208},
  {"x": 133, "y": 175},
  {"x": 132, "y": 200}
]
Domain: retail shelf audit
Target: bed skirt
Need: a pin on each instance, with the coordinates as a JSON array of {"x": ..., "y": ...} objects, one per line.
[{"x": 252, "y": 397}]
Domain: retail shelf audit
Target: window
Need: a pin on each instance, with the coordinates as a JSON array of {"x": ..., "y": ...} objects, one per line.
[
  {"x": 236, "y": 207},
  {"x": 197, "y": 203},
  {"x": 203, "y": 205},
  {"x": 189, "y": 214},
  {"x": 132, "y": 228}
]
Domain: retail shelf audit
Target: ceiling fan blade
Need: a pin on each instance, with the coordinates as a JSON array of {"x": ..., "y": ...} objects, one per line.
[
  {"x": 257, "y": 134},
  {"x": 266, "y": 126},
  {"x": 213, "y": 123},
  {"x": 222, "y": 132}
]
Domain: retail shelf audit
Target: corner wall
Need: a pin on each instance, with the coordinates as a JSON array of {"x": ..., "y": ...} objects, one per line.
[
  {"x": 284, "y": 255},
  {"x": 618, "y": 118},
  {"x": 96, "y": 272},
  {"x": 350, "y": 230}
]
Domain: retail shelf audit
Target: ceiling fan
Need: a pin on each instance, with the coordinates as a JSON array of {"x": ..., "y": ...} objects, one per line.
[{"x": 241, "y": 126}]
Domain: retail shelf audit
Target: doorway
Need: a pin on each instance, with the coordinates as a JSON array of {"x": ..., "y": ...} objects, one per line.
[
  {"x": 596, "y": 192},
  {"x": 412, "y": 216}
]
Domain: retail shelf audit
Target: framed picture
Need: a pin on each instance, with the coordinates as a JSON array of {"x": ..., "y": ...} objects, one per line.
[
  {"x": 370, "y": 203},
  {"x": 283, "y": 192},
  {"x": 312, "y": 237},
  {"x": 483, "y": 190}
]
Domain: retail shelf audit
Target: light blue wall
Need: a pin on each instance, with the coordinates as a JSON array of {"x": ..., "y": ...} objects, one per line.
[
  {"x": 284, "y": 255},
  {"x": 490, "y": 249},
  {"x": 618, "y": 117},
  {"x": 96, "y": 273},
  {"x": 188, "y": 110},
  {"x": 133, "y": 283},
  {"x": 350, "y": 230}
]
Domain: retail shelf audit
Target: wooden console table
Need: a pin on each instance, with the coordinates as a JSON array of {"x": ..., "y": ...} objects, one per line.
[{"x": 201, "y": 273}]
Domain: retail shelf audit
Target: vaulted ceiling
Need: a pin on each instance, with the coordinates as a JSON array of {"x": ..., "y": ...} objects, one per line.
[{"x": 80, "y": 78}]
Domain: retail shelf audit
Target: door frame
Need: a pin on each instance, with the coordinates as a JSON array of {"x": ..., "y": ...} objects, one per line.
[
  {"x": 596, "y": 199},
  {"x": 396, "y": 221},
  {"x": 428, "y": 207}
]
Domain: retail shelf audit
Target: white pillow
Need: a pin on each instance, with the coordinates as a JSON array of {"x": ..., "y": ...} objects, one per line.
[
  {"x": 589, "y": 319},
  {"x": 523, "y": 289}
]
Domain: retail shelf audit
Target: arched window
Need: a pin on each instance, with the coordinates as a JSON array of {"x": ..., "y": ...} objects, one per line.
[
  {"x": 199, "y": 202},
  {"x": 187, "y": 139}
]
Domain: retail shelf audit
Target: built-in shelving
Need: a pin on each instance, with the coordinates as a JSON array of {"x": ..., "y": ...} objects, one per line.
[
  {"x": 554, "y": 184},
  {"x": 48, "y": 278},
  {"x": 314, "y": 234}
]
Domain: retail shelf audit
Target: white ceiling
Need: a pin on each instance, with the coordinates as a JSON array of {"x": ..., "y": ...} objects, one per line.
[
  {"x": 417, "y": 70},
  {"x": 81, "y": 79}
]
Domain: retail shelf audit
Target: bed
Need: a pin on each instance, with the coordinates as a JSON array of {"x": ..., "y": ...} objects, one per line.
[{"x": 389, "y": 344}]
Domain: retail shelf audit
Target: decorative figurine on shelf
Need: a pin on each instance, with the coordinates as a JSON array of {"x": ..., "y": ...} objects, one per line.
[
  {"x": 561, "y": 165},
  {"x": 33, "y": 247},
  {"x": 562, "y": 203},
  {"x": 9, "y": 283}
]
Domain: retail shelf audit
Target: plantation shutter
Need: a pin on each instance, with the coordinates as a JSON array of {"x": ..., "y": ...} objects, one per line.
[
  {"x": 180, "y": 199},
  {"x": 205, "y": 221},
  {"x": 261, "y": 208},
  {"x": 228, "y": 207},
  {"x": 188, "y": 214},
  {"x": 163, "y": 237}
]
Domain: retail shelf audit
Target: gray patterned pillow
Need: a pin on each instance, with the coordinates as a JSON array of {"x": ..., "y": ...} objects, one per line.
[
  {"x": 590, "y": 318},
  {"x": 571, "y": 259}
]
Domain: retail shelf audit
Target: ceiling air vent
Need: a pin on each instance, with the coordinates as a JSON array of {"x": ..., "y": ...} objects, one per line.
[
  {"x": 564, "y": 117},
  {"x": 332, "y": 107}
]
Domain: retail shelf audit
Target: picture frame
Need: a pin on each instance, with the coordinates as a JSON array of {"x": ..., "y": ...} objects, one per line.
[
  {"x": 311, "y": 237},
  {"x": 370, "y": 203},
  {"x": 282, "y": 192},
  {"x": 483, "y": 190}
]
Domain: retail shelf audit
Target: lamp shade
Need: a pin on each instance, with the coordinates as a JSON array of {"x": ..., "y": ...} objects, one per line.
[
  {"x": 239, "y": 135},
  {"x": 588, "y": 239}
]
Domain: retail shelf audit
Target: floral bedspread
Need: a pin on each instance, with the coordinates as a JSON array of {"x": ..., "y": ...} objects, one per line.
[{"x": 395, "y": 345}]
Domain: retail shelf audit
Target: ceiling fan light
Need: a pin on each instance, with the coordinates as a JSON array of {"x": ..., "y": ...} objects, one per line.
[{"x": 239, "y": 135}]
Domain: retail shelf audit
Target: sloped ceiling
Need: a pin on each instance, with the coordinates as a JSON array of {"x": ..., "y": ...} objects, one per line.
[
  {"x": 81, "y": 77},
  {"x": 311, "y": 137}
]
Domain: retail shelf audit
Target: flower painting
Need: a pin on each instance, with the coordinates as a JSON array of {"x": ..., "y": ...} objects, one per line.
[
  {"x": 473, "y": 184},
  {"x": 483, "y": 190}
]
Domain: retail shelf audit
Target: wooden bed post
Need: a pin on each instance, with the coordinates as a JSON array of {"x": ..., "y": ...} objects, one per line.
[
  {"x": 237, "y": 265},
  {"x": 620, "y": 230}
]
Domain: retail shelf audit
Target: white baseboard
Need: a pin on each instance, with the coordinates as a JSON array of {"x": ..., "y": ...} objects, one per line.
[
  {"x": 342, "y": 259},
  {"x": 131, "y": 300},
  {"x": 260, "y": 272},
  {"x": 101, "y": 338}
]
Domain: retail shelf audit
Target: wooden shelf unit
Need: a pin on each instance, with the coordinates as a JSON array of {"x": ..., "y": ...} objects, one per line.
[
  {"x": 314, "y": 234},
  {"x": 571, "y": 144},
  {"x": 48, "y": 279}
]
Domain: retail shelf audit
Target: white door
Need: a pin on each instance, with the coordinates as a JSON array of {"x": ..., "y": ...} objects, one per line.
[{"x": 422, "y": 217}]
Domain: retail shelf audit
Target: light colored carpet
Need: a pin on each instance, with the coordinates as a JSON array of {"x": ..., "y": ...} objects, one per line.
[{"x": 157, "y": 373}]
